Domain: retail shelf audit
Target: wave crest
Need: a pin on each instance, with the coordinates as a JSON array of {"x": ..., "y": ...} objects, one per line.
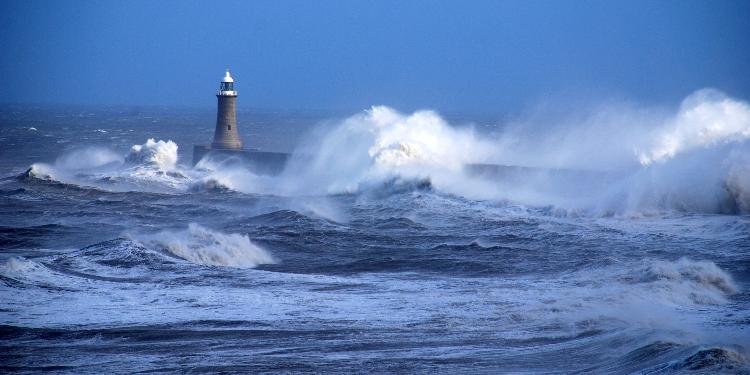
[
  {"x": 201, "y": 245},
  {"x": 705, "y": 274},
  {"x": 714, "y": 359}
]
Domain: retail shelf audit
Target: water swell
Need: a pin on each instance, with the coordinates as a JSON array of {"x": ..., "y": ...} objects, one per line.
[
  {"x": 136, "y": 258},
  {"x": 665, "y": 357},
  {"x": 715, "y": 360}
]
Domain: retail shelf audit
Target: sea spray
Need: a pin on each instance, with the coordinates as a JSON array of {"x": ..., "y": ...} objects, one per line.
[
  {"x": 224, "y": 174},
  {"x": 151, "y": 166},
  {"x": 603, "y": 164},
  {"x": 88, "y": 158},
  {"x": 705, "y": 118},
  {"x": 159, "y": 153},
  {"x": 615, "y": 160},
  {"x": 377, "y": 145}
]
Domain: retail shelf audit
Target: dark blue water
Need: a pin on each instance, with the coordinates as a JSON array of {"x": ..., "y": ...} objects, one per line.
[{"x": 116, "y": 259}]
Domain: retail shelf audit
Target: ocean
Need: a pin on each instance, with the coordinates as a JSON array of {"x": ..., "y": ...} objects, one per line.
[{"x": 376, "y": 251}]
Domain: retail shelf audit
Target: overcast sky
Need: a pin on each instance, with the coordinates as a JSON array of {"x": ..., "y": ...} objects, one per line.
[{"x": 481, "y": 56}]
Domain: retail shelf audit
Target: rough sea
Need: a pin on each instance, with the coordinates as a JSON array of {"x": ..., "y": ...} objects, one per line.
[{"x": 622, "y": 246}]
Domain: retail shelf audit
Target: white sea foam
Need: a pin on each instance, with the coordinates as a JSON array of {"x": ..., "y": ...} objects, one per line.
[
  {"x": 159, "y": 153},
  {"x": 15, "y": 265},
  {"x": 201, "y": 245},
  {"x": 26, "y": 270},
  {"x": 43, "y": 171}
]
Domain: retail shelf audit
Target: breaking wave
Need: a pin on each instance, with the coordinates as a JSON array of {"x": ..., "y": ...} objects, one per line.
[
  {"x": 161, "y": 154},
  {"x": 700, "y": 281},
  {"x": 201, "y": 245},
  {"x": 705, "y": 118},
  {"x": 379, "y": 145},
  {"x": 684, "y": 282},
  {"x": 17, "y": 266},
  {"x": 146, "y": 167},
  {"x": 621, "y": 161},
  {"x": 703, "y": 273}
]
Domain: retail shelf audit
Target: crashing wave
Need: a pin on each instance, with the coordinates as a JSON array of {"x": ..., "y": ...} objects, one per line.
[
  {"x": 694, "y": 160},
  {"x": 23, "y": 270},
  {"x": 39, "y": 171},
  {"x": 378, "y": 145},
  {"x": 158, "y": 153},
  {"x": 704, "y": 275},
  {"x": 705, "y": 118},
  {"x": 201, "y": 245},
  {"x": 147, "y": 167}
]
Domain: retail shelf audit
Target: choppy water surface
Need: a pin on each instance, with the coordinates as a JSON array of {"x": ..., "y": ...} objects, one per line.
[{"x": 382, "y": 257}]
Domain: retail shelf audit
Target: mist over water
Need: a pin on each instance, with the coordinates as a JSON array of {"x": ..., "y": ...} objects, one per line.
[{"x": 615, "y": 240}]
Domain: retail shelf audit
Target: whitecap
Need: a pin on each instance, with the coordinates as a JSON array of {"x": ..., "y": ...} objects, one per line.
[{"x": 204, "y": 246}]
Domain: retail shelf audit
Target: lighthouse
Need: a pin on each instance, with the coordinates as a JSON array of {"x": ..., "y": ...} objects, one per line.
[
  {"x": 227, "y": 146},
  {"x": 226, "y": 136}
]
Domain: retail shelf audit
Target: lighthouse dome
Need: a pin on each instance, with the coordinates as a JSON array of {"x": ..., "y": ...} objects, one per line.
[{"x": 227, "y": 78}]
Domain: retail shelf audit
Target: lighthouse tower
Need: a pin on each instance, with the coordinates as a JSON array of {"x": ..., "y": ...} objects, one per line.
[
  {"x": 226, "y": 136},
  {"x": 227, "y": 144}
]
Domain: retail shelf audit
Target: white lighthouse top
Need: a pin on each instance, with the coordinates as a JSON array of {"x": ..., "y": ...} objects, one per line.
[
  {"x": 227, "y": 86},
  {"x": 227, "y": 77}
]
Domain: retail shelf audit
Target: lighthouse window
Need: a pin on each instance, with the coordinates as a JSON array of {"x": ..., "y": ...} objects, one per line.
[{"x": 229, "y": 127}]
